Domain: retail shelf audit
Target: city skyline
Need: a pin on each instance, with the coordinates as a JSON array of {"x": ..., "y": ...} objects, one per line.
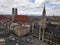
[{"x": 30, "y": 7}]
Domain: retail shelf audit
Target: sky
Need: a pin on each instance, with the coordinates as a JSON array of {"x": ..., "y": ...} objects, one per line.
[{"x": 31, "y": 7}]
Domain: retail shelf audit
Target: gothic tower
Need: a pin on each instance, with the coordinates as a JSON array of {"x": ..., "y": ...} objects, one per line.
[
  {"x": 43, "y": 18},
  {"x": 42, "y": 24},
  {"x": 44, "y": 12},
  {"x": 14, "y": 13}
]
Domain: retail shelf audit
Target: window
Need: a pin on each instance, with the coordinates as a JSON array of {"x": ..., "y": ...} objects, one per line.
[{"x": 36, "y": 26}]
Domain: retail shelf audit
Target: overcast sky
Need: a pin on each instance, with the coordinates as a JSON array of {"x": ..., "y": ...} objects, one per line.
[{"x": 30, "y": 7}]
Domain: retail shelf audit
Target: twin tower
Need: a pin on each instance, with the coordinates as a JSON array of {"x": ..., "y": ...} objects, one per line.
[{"x": 15, "y": 12}]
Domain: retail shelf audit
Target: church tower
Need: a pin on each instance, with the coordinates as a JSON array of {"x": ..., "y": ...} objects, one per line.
[
  {"x": 44, "y": 12},
  {"x": 42, "y": 24},
  {"x": 14, "y": 13},
  {"x": 43, "y": 18}
]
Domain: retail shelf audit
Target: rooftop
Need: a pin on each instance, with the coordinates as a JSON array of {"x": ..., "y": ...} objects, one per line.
[{"x": 21, "y": 17}]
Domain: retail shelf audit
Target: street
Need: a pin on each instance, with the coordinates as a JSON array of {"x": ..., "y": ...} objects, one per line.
[{"x": 28, "y": 40}]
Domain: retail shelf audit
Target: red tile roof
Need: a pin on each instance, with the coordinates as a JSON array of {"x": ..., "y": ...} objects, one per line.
[
  {"x": 21, "y": 17},
  {"x": 35, "y": 20},
  {"x": 55, "y": 19},
  {"x": 3, "y": 18}
]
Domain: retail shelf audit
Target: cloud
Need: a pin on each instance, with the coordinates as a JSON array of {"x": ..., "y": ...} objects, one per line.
[
  {"x": 24, "y": 6},
  {"x": 53, "y": 7},
  {"x": 30, "y": 7},
  {"x": 54, "y": 1},
  {"x": 32, "y": 1}
]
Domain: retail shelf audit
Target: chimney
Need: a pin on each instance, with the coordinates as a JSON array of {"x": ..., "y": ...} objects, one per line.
[{"x": 14, "y": 13}]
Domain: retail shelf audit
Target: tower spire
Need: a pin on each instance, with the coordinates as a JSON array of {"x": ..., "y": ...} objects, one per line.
[{"x": 44, "y": 11}]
